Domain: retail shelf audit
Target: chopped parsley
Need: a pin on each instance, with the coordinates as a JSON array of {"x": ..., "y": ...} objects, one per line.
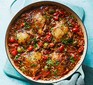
[
  {"x": 33, "y": 65},
  {"x": 50, "y": 62},
  {"x": 27, "y": 26},
  {"x": 55, "y": 72},
  {"x": 35, "y": 45},
  {"x": 57, "y": 63},
  {"x": 72, "y": 59},
  {"x": 34, "y": 39},
  {"x": 67, "y": 41},
  {"x": 16, "y": 57}
]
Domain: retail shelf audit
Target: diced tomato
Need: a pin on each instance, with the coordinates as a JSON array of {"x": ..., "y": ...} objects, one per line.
[
  {"x": 45, "y": 57},
  {"x": 22, "y": 24},
  {"x": 66, "y": 71},
  {"x": 49, "y": 34},
  {"x": 56, "y": 18},
  {"x": 61, "y": 48},
  {"x": 73, "y": 55},
  {"x": 81, "y": 48},
  {"x": 14, "y": 52},
  {"x": 12, "y": 39},
  {"x": 76, "y": 25},
  {"x": 14, "y": 45},
  {"x": 48, "y": 38},
  {"x": 40, "y": 44},
  {"x": 46, "y": 52},
  {"x": 37, "y": 77},
  {"x": 56, "y": 14},
  {"x": 51, "y": 45},
  {"x": 45, "y": 74},
  {"x": 62, "y": 12},
  {"x": 30, "y": 48},
  {"x": 75, "y": 29},
  {"x": 76, "y": 57}
]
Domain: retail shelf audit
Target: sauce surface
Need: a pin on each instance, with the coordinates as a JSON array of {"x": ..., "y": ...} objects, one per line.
[{"x": 46, "y": 43}]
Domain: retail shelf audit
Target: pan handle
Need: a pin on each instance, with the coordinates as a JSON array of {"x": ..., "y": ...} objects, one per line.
[
  {"x": 12, "y": 3},
  {"x": 15, "y": 6}
]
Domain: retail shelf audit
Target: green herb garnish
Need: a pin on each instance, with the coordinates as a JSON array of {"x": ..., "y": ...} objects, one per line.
[
  {"x": 47, "y": 17},
  {"x": 34, "y": 39},
  {"x": 50, "y": 62},
  {"x": 72, "y": 59},
  {"x": 27, "y": 26},
  {"x": 57, "y": 63},
  {"x": 35, "y": 42},
  {"x": 35, "y": 45},
  {"x": 67, "y": 41},
  {"x": 55, "y": 72},
  {"x": 16, "y": 57},
  {"x": 71, "y": 17},
  {"x": 33, "y": 65}
]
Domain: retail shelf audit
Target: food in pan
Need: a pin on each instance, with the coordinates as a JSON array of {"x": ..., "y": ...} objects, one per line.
[{"x": 46, "y": 43}]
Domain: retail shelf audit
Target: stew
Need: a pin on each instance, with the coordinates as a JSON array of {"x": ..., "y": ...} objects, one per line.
[{"x": 46, "y": 43}]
